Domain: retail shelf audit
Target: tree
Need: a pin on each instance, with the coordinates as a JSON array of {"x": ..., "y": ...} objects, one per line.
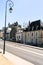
[
  {"x": 13, "y": 32},
  {"x": 14, "y": 28},
  {"x": 16, "y": 23}
]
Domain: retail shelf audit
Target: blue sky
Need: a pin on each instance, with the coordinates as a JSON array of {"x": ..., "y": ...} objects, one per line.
[{"x": 23, "y": 11}]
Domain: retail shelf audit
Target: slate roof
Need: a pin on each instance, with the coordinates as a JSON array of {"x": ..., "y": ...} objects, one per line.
[{"x": 34, "y": 25}]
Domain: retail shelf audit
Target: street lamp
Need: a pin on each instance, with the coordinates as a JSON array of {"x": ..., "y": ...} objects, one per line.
[{"x": 10, "y": 10}]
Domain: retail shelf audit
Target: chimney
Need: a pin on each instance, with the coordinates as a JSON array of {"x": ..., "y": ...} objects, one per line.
[{"x": 29, "y": 23}]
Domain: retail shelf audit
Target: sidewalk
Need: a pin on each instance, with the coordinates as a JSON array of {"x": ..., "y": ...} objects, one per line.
[
  {"x": 17, "y": 60},
  {"x": 4, "y": 60},
  {"x": 10, "y": 59}
]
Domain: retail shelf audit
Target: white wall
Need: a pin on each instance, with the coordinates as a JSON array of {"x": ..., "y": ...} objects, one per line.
[
  {"x": 17, "y": 36},
  {"x": 35, "y": 38}
]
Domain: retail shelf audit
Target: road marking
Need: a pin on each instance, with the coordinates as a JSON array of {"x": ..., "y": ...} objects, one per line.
[{"x": 26, "y": 50}]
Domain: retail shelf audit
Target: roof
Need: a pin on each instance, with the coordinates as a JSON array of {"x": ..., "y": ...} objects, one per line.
[{"x": 34, "y": 25}]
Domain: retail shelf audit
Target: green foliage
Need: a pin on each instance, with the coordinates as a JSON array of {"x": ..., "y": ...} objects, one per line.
[
  {"x": 13, "y": 32},
  {"x": 13, "y": 29}
]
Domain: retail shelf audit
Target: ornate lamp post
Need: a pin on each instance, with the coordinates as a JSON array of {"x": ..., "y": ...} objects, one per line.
[{"x": 10, "y": 10}]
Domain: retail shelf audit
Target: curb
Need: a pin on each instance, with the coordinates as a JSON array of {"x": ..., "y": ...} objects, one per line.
[
  {"x": 31, "y": 46},
  {"x": 34, "y": 47},
  {"x": 16, "y": 60}
]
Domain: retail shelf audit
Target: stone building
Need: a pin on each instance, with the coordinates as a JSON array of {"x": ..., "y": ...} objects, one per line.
[{"x": 33, "y": 34}]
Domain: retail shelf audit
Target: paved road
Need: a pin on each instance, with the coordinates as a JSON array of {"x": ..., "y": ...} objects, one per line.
[{"x": 33, "y": 55}]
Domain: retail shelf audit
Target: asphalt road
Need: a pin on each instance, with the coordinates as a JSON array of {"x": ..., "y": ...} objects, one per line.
[{"x": 32, "y": 55}]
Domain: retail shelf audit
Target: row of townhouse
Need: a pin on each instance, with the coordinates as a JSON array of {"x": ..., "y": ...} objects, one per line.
[
  {"x": 33, "y": 34},
  {"x": 10, "y": 31}
]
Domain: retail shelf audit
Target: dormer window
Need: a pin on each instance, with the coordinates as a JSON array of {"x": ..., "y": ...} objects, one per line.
[
  {"x": 32, "y": 28},
  {"x": 37, "y": 27}
]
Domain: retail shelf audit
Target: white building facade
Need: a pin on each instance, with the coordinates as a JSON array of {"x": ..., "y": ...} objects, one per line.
[
  {"x": 33, "y": 37},
  {"x": 8, "y": 33},
  {"x": 19, "y": 35}
]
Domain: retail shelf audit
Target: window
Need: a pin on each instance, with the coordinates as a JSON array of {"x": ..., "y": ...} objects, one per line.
[
  {"x": 37, "y": 27},
  {"x": 19, "y": 37},
  {"x": 32, "y": 34},
  {"x": 36, "y": 33},
  {"x": 32, "y": 28}
]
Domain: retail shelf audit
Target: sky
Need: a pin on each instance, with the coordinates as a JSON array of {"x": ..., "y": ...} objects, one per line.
[{"x": 23, "y": 12}]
